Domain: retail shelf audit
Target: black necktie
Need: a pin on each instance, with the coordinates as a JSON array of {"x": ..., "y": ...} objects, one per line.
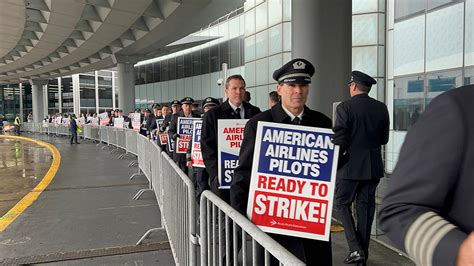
[
  {"x": 296, "y": 121},
  {"x": 237, "y": 113}
]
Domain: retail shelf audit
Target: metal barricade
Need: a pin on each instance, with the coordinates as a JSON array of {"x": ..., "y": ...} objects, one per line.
[
  {"x": 178, "y": 211},
  {"x": 121, "y": 141},
  {"x": 87, "y": 131},
  {"x": 104, "y": 135},
  {"x": 219, "y": 221},
  {"x": 112, "y": 135},
  {"x": 144, "y": 164},
  {"x": 131, "y": 141},
  {"x": 157, "y": 181},
  {"x": 52, "y": 129}
]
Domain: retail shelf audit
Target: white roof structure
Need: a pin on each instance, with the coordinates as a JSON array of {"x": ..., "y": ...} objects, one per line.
[{"x": 49, "y": 38}]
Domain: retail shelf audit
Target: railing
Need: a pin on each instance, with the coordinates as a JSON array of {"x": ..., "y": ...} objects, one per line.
[
  {"x": 224, "y": 232},
  {"x": 175, "y": 194}
]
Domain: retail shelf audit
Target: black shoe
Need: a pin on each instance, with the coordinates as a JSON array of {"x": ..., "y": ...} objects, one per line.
[
  {"x": 355, "y": 256},
  {"x": 78, "y": 143}
]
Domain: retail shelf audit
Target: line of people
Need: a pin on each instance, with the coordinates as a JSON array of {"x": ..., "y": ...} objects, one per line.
[{"x": 361, "y": 128}]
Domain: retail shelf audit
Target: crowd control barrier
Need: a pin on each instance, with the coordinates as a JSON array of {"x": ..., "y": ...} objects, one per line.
[
  {"x": 224, "y": 238},
  {"x": 220, "y": 224}
]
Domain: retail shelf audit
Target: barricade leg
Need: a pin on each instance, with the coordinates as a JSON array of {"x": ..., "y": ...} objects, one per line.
[
  {"x": 147, "y": 234},
  {"x": 141, "y": 191},
  {"x": 137, "y": 174},
  {"x": 133, "y": 163}
]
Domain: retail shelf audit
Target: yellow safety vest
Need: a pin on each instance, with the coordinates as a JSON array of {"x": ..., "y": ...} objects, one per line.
[{"x": 17, "y": 121}]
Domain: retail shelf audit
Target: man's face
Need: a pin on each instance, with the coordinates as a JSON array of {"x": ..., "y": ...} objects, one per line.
[
  {"x": 186, "y": 108},
  {"x": 157, "y": 112},
  {"x": 293, "y": 95},
  {"x": 176, "y": 108},
  {"x": 235, "y": 91},
  {"x": 165, "y": 111}
]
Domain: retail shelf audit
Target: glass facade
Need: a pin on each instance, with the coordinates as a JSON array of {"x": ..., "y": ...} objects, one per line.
[
  {"x": 194, "y": 71},
  {"x": 9, "y": 101},
  {"x": 60, "y": 95},
  {"x": 431, "y": 42}
]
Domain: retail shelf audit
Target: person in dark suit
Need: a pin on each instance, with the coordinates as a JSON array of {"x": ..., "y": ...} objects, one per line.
[
  {"x": 233, "y": 108},
  {"x": 200, "y": 175},
  {"x": 361, "y": 128},
  {"x": 293, "y": 86},
  {"x": 73, "y": 128},
  {"x": 144, "y": 123},
  {"x": 175, "y": 108},
  {"x": 180, "y": 158},
  {"x": 428, "y": 210}
]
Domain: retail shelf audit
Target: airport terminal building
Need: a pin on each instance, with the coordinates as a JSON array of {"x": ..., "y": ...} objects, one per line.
[{"x": 415, "y": 49}]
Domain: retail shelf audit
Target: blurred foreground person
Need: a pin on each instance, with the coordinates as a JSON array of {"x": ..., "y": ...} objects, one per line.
[{"x": 429, "y": 207}]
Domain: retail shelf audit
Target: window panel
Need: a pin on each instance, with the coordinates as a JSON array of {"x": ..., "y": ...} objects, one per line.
[
  {"x": 408, "y": 53},
  {"x": 261, "y": 44},
  {"x": 214, "y": 58},
  {"x": 275, "y": 11},
  {"x": 365, "y": 59},
  {"x": 261, "y": 22},
  {"x": 205, "y": 60},
  {"x": 188, "y": 65},
  {"x": 444, "y": 38},
  {"x": 234, "y": 52},
  {"x": 469, "y": 34},
  {"x": 364, "y": 6},
  {"x": 156, "y": 72},
  {"x": 172, "y": 68},
  {"x": 364, "y": 29},
  {"x": 408, "y": 101},
  {"x": 180, "y": 67},
  {"x": 275, "y": 39},
  {"x": 164, "y": 70},
  {"x": 223, "y": 53},
  {"x": 406, "y": 8},
  {"x": 250, "y": 48},
  {"x": 196, "y": 63}
]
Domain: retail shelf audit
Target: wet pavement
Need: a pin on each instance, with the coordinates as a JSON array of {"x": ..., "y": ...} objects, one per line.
[{"x": 22, "y": 166}]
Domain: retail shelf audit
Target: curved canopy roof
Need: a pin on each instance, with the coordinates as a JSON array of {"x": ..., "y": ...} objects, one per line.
[{"x": 49, "y": 38}]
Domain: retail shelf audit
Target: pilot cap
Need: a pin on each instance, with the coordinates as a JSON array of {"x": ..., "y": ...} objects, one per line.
[
  {"x": 296, "y": 71},
  {"x": 209, "y": 101},
  {"x": 187, "y": 100},
  {"x": 362, "y": 78}
]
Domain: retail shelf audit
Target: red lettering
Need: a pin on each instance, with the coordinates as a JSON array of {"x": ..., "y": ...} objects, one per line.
[{"x": 262, "y": 181}]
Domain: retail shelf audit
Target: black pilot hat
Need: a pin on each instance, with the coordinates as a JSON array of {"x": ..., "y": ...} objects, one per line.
[
  {"x": 175, "y": 102},
  {"x": 296, "y": 71},
  {"x": 147, "y": 110},
  {"x": 187, "y": 100},
  {"x": 209, "y": 101},
  {"x": 362, "y": 79}
]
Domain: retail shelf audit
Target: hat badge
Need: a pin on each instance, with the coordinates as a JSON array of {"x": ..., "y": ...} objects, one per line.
[{"x": 299, "y": 65}]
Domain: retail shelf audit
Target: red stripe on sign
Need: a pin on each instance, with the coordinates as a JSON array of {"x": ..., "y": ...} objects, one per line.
[{"x": 290, "y": 212}]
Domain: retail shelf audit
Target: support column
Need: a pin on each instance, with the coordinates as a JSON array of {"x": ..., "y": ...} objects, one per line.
[
  {"x": 20, "y": 87},
  {"x": 37, "y": 98},
  {"x": 60, "y": 95},
  {"x": 321, "y": 33},
  {"x": 126, "y": 86}
]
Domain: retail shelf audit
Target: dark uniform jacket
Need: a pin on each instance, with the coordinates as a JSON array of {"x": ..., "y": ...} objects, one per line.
[
  {"x": 430, "y": 194},
  {"x": 209, "y": 130},
  {"x": 73, "y": 125},
  {"x": 313, "y": 252},
  {"x": 365, "y": 124},
  {"x": 153, "y": 124}
]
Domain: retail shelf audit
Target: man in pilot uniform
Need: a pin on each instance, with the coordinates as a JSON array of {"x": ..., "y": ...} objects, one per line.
[
  {"x": 361, "y": 128},
  {"x": 293, "y": 87}
]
